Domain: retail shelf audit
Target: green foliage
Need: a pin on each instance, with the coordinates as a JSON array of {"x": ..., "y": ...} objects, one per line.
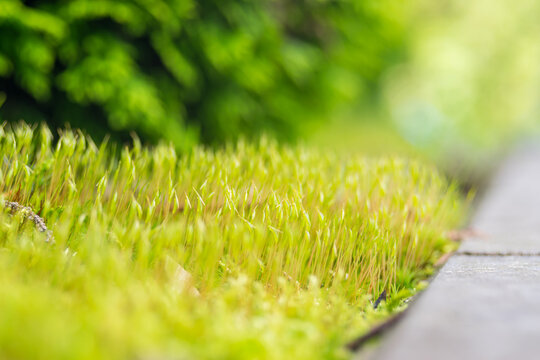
[
  {"x": 473, "y": 76},
  {"x": 253, "y": 251},
  {"x": 183, "y": 70}
]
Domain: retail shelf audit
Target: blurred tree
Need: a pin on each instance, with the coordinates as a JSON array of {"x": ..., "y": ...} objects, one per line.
[
  {"x": 471, "y": 84},
  {"x": 186, "y": 71}
]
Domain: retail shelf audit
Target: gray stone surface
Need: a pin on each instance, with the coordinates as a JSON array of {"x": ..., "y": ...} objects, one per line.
[
  {"x": 485, "y": 307},
  {"x": 485, "y": 302},
  {"x": 508, "y": 218}
]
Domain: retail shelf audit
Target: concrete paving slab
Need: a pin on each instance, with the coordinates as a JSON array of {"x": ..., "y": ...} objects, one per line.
[
  {"x": 501, "y": 245},
  {"x": 478, "y": 307},
  {"x": 508, "y": 218}
]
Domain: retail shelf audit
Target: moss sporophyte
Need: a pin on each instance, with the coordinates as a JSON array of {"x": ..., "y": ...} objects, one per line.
[{"x": 251, "y": 251}]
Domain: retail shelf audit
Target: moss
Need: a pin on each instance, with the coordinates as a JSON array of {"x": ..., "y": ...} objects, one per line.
[{"x": 251, "y": 251}]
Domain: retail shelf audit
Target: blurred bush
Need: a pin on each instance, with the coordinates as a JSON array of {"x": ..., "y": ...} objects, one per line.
[{"x": 189, "y": 71}]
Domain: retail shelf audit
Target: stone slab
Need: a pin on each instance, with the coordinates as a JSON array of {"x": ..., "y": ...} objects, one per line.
[
  {"x": 497, "y": 245},
  {"x": 478, "y": 307},
  {"x": 508, "y": 218}
]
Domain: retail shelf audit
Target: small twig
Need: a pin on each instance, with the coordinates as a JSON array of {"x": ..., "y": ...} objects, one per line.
[
  {"x": 381, "y": 298},
  {"x": 463, "y": 234},
  {"x": 29, "y": 214},
  {"x": 443, "y": 259}
]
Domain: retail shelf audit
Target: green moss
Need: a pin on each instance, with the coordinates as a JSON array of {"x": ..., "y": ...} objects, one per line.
[{"x": 253, "y": 251}]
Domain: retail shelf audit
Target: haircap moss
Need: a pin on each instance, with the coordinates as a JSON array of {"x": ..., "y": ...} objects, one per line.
[{"x": 255, "y": 250}]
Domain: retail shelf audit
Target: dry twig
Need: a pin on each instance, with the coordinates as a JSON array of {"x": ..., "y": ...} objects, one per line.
[{"x": 29, "y": 214}]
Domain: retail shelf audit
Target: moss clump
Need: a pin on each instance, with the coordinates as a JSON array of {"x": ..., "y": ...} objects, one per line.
[{"x": 252, "y": 251}]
